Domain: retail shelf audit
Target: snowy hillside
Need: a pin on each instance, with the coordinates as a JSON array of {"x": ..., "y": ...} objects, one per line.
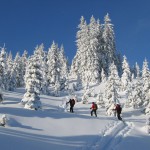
[{"x": 54, "y": 129}]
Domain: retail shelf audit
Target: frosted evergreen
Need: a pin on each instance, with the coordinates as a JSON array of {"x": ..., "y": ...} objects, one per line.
[
  {"x": 146, "y": 77},
  {"x": 41, "y": 53},
  {"x": 86, "y": 60},
  {"x": 109, "y": 46},
  {"x": 100, "y": 100},
  {"x": 24, "y": 59},
  {"x": 103, "y": 76},
  {"x": 33, "y": 80},
  {"x": 95, "y": 50},
  {"x": 63, "y": 63},
  {"x": 53, "y": 64},
  {"x": 146, "y": 85},
  {"x": 2, "y": 68},
  {"x": 18, "y": 70},
  {"x": 138, "y": 73},
  {"x": 126, "y": 76},
  {"x": 10, "y": 74},
  {"x": 137, "y": 98},
  {"x": 111, "y": 90}
]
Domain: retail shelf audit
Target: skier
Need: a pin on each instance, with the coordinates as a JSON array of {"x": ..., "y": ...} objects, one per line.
[
  {"x": 118, "y": 110},
  {"x": 72, "y": 103},
  {"x": 94, "y": 109}
]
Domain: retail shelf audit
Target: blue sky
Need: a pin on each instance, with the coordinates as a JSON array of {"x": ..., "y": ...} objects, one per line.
[{"x": 27, "y": 23}]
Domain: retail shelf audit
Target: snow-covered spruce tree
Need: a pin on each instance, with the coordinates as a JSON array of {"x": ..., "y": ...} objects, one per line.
[
  {"x": 83, "y": 43},
  {"x": 53, "y": 73},
  {"x": 137, "y": 96},
  {"x": 39, "y": 51},
  {"x": 86, "y": 61},
  {"x": 18, "y": 68},
  {"x": 111, "y": 90},
  {"x": 132, "y": 76},
  {"x": 126, "y": 76},
  {"x": 2, "y": 68},
  {"x": 100, "y": 49},
  {"x": 67, "y": 83},
  {"x": 78, "y": 84},
  {"x": 146, "y": 77},
  {"x": 64, "y": 68},
  {"x": 100, "y": 100},
  {"x": 57, "y": 88},
  {"x": 10, "y": 74},
  {"x": 137, "y": 71},
  {"x": 33, "y": 81},
  {"x": 109, "y": 48},
  {"x": 103, "y": 76},
  {"x": 85, "y": 96},
  {"x": 93, "y": 67},
  {"x": 129, "y": 95},
  {"x": 119, "y": 63},
  {"x": 146, "y": 84},
  {"x": 24, "y": 59},
  {"x": 81, "y": 38}
]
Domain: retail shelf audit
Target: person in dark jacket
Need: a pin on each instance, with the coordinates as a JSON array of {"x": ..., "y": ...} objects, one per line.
[
  {"x": 94, "y": 108},
  {"x": 118, "y": 111},
  {"x": 1, "y": 98},
  {"x": 72, "y": 103}
]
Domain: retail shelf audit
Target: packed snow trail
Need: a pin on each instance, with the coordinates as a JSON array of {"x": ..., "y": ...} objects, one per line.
[
  {"x": 114, "y": 135},
  {"x": 111, "y": 136}
]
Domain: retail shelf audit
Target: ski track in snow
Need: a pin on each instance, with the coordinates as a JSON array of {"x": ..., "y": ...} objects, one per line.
[{"x": 111, "y": 136}]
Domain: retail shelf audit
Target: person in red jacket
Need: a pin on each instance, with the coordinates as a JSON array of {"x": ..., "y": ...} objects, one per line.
[{"x": 94, "y": 108}]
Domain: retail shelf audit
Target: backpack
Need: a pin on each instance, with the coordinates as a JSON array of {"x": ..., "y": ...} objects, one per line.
[
  {"x": 118, "y": 107},
  {"x": 96, "y": 106},
  {"x": 73, "y": 102}
]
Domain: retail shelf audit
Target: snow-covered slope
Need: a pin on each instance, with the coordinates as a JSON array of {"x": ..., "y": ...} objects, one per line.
[{"x": 54, "y": 129}]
